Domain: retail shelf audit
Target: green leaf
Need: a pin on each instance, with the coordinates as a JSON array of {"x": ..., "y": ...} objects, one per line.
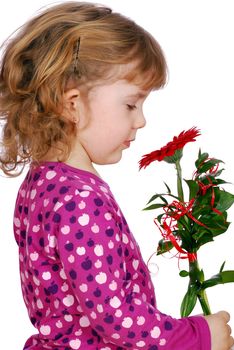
[
  {"x": 184, "y": 273},
  {"x": 168, "y": 188},
  {"x": 222, "y": 266},
  {"x": 193, "y": 188},
  {"x": 225, "y": 200},
  {"x": 164, "y": 246},
  {"x": 221, "y": 278},
  {"x": 201, "y": 158},
  {"x": 207, "y": 165},
  {"x": 159, "y": 195},
  {"x": 189, "y": 301},
  {"x": 155, "y": 206}
]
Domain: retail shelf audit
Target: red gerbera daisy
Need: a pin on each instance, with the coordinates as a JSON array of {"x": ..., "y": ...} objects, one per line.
[{"x": 171, "y": 147}]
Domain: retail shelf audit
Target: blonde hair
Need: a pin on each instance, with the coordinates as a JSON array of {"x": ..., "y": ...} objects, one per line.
[{"x": 78, "y": 41}]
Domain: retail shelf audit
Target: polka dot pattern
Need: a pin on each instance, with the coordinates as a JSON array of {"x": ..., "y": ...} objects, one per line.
[{"x": 83, "y": 279}]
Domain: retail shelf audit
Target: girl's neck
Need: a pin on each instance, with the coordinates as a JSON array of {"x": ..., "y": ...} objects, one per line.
[{"x": 78, "y": 158}]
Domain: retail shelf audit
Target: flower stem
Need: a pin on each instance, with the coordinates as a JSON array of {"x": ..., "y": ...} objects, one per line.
[
  {"x": 196, "y": 277},
  {"x": 179, "y": 181}
]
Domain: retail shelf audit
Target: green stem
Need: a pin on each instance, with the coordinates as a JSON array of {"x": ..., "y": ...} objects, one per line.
[
  {"x": 179, "y": 181},
  {"x": 196, "y": 277}
]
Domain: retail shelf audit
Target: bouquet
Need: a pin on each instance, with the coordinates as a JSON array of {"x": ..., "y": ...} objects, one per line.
[{"x": 186, "y": 225}]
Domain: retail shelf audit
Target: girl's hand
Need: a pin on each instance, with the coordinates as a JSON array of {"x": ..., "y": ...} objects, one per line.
[{"x": 221, "y": 338}]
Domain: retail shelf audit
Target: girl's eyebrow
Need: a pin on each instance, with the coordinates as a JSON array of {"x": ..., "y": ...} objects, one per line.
[{"x": 139, "y": 95}]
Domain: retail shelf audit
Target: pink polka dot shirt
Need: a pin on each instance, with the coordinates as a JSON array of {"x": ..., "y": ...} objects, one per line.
[{"x": 83, "y": 278}]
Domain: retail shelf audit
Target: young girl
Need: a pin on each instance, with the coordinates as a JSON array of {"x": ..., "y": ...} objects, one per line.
[{"x": 72, "y": 85}]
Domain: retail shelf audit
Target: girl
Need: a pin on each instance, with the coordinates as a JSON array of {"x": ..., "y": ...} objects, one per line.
[{"x": 72, "y": 84}]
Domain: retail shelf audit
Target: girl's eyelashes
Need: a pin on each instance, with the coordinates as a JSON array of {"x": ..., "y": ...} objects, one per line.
[{"x": 131, "y": 107}]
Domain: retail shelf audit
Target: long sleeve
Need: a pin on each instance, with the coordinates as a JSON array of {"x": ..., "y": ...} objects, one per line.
[
  {"x": 83, "y": 279},
  {"x": 103, "y": 265}
]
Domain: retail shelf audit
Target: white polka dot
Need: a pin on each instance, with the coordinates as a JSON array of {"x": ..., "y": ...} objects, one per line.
[
  {"x": 113, "y": 285},
  {"x": 137, "y": 301},
  {"x": 84, "y": 321},
  {"x": 59, "y": 324},
  {"x": 127, "y": 322},
  {"x": 140, "y": 320},
  {"x": 58, "y": 205},
  {"x": 101, "y": 278},
  {"x": 118, "y": 313},
  {"x": 56, "y": 304},
  {"x": 83, "y": 287},
  {"x": 108, "y": 216},
  {"x": 155, "y": 332},
  {"x": 36, "y": 281},
  {"x": 64, "y": 286},
  {"x": 162, "y": 342},
  {"x": 93, "y": 315},
  {"x": 135, "y": 264},
  {"x": 79, "y": 333},
  {"x": 46, "y": 275},
  {"x": 116, "y": 273},
  {"x": 158, "y": 317},
  {"x": 115, "y": 336},
  {"x": 65, "y": 229},
  {"x": 98, "y": 264},
  {"x": 84, "y": 194},
  {"x": 33, "y": 194},
  {"x": 98, "y": 250},
  {"x": 68, "y": 198},
  {"x": 33, "y": 206},
  {"x": 95, "y": 228},
  {"x": 75, "y": 344},
  {"x": 82, "y": 205},
  {"x": 34, "y": 256},
  {"x": 71, "y": 259},
  {"x": 111, "y": 244},
  {"x": 103, "y": 189},
  {"x": 83, "y": 220},
  {"x": 39, "y": 304},
  {"x": 36, "y": 228},
  {"x": 68, "y": 318},
  {"x": 136, "y": 288},
  {"x": 99, "y": 308},
  {"x": 46, "y": 202},
  {"x": 117, "y": 237},
  {"x": 50, "y": 175},
  {"x": 140, "y": 344},
  {"x": 87, "y": 187},
  {"x": 62, "y": 178},
  {"x": 80, "y": 251},
  {"x": 68, "y": 300},
  {"x": 125, "y": 238},
  {"x": 40, "y": 182},
  {"x": 115, "y": 302},
  {"x": 45, "y": 330},
  {"x": 52, "y": 241}
]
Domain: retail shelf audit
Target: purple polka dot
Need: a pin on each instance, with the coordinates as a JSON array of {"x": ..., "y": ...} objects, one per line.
[
  {"x": 56, "y": 218},
  {"x": 70, "y": 206},
  {"x": 168, "y": 325}
]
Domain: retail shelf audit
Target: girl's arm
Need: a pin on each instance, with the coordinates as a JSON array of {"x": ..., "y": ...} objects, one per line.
[{"x": 94, "y": 259}]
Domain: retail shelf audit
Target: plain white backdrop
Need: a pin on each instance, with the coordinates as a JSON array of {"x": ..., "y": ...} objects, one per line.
[{"x": 197, "y": 38}]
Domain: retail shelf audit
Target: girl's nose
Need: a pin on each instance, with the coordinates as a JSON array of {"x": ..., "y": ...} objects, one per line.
[{"x": 140, "y": 121}]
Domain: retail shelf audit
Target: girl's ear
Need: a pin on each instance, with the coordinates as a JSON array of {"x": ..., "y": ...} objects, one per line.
[{"x": 70, "y": 105}]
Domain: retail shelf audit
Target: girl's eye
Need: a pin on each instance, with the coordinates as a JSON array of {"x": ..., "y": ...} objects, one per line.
[{"x": 131, "y": 107}]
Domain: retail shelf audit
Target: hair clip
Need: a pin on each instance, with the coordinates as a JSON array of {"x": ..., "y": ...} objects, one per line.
[{"x": 76, "y": 55}]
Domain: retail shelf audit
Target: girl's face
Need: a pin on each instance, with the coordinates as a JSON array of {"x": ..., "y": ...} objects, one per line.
[{"x": 110, "y": 122}]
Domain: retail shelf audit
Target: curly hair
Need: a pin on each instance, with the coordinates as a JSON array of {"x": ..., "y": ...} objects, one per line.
[{"x": 40, "y": 59}]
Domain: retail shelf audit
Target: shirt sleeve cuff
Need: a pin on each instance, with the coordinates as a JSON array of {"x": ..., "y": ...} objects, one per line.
[{"x": 204, "y": 331}]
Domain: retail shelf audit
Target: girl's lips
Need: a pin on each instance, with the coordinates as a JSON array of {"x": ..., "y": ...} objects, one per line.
[{"x": 127, "y": 143}]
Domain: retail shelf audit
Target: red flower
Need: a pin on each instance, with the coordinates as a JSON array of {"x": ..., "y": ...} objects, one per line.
[{"x": 177, "y": 143}]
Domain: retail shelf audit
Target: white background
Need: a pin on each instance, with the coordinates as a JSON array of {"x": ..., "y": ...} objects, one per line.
[{"x": 197, "y": 38}]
